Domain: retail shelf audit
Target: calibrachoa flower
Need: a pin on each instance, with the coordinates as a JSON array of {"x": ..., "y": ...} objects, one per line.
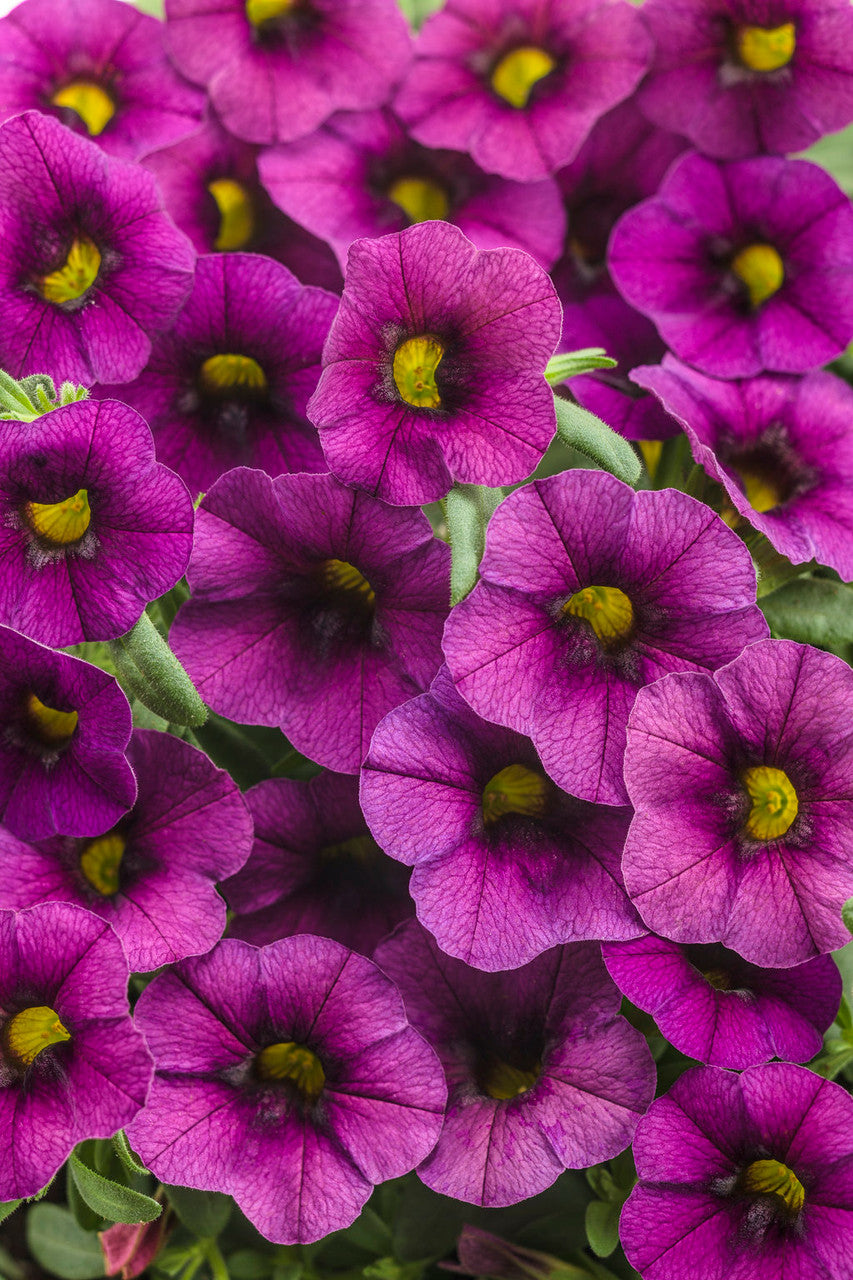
[
  {"x": 506, "y": 864},
  {"x": 315, "y": 868},
  {"x": 64, "y": 727},
  {"x": 313, "y": 607},
  {"x": 300, "y": 1086},
  {"x": 276, "y": 69},
  {"x": 745, "y": 1177},
  {"x": 152, "y": 876},
  {"x": 90, "y": 265},
  {"x": 711, "y": 1005},
  {"x": 91, "y": 527},
  {"x": 781, "y": 447},
  {"x": 743, "y": 266},
  {"x": 228, "y": 385},
  {"x": 72, "y": 1064},
  {"x": 744, "y": 76},
  {"x": 589, "y": 591},
  {"x": 362, "y": 175},
  {"x": 743, "y": 788},
  {"x": 544, "y": 1075},
  {"x": 433, "y": 368},
  {"x": 520, "y": 83},
  {"x": 100, "y": 67}
]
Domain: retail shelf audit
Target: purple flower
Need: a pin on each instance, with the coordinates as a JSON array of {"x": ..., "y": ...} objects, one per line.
[
  {"x": 781, "y": 447},
  {"x": 744, "y": 76},
  {"x": 711, "y": 1005},
  {"x": 746, "y": 1177},
  {"x": 589, "y": 591},
  {"x": 433, "y": 368},
  {"x": 228, "y": 385},
  {"x": 743, "y": 788},
  {"x": 90, "y": 265},
  {"x": 152, "y": 876},
  {"x": 276, "y": 69},
  {"x": 315, "y": 868},
  {"x": 100, "y": 67},
  {"x": 313, "y": 607},
  {"x": 287, "y": 1077},
  {"x": 506, "y": 864},
  {"x": 72, "y": 1064},
  {"x": 520, "y": 83},
  {"x": 743, "y": 266},
  {"x": 91, "y": 527},
  {"x": 65, "y": 727},
  {"x": 544, "y": 1075},
  {"x": 361, "y": 175}
]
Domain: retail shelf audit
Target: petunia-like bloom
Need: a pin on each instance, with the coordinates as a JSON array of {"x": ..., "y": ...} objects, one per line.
[
  {"x": 313, "y": 607},
  {"x": 228, "y": 385},
  {"x": 743, "y": 1177},
  {"x": 64, "y": 728},
  {"x": 91, "y": 527},
  {"x": 90, "y": 265},
  {"x": 782, "y": 448},
  {"x": 276, "y": 69},
  {"x": 98, "y": 66},
  {"x": 433, "y": 368},
  {"x": 300, "y": 1086},
  {"x": 153, "y": 875},
  {"x": 743, "y": 788},
  {"x": 711, "y": 1005},
  {"x": 543, "y": 1072},
  {"x": 315, "y": 868},
  {"x": 505, "y": 864},
  {"x": 743, "y": 267},
  {"x": 72, "y": 1064},
  {"x": 520, "y": 83},
  {"x": 589, "y": 591},
  {"x": 362, "y": 175},
  {"x": 743, "y": 76}
]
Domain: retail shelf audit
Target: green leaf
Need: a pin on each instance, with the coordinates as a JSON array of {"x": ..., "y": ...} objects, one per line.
[
  {"x": 246, "y": 1264},
  {"x": 417, "y": 11},
  {"x": 602, "y": 1227},
  {"x": 205, "y": 1213},
  {"x": 60, "y": 1246},
  {"x": 847, "y": 914},
  {"x": 582, "y": 430},
  {"x": 152, "y": 673},
  {"x": 127, "y": 1155},
  {"x": 468, "y": 508},
  {"x": 814, "y": 611},
  {"x": 568, "y": 364},
  {"x": 109, "y": 1199},
  {"x": 8, "y": 1207}
]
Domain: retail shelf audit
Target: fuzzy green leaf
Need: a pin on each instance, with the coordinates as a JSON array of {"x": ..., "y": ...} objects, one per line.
[{"x": 585, "y": 432}]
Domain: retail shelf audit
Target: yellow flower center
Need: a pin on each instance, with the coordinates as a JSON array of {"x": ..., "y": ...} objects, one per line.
[
  {"x": 766, "y": 48},
  {"x": 515, "y": 789},
  {"x": 356, "y": 849},
  {"x": 93, "y": 104},
  {"x": 340, "y": 575},
  {"x": 51, "y": 727},
  {"x": 415, "y": 363},
  {"x": 761, "y": 494},
  {"x": 260, "y": 11},
  {"x": 761, "y": 269},
  {"x": 420, "y": 199},
  {"x": 60, "y": 522},
  {"x": 100, "y": 862},
  {"x": 220, "y": 375},
  {"x": 607, "y": 610},
  {"x": 518, "y": 71},
  {"x": 772, "y": 1178},
  {"x": 295, "y": 1064},
  {"x": 504, "y": 1081},
  {"x": 32, "y": 1030},
  {"x": 71, "y": 281},
  {"x": 236, "y": 214},
  {"x": 774, "y": 802}
]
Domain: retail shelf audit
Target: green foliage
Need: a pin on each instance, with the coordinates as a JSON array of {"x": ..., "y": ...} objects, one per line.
[
  {"x": 583, "y": 431},
  {"x": 61, "y": 1246},
  {"x": 468, "y": 509},
  {"x": 110, "y": 1200},
  {"x": 204, "y": 1213},
  {"x": 417, "y": 11},
  {"x": 151, "y": 672},
  {"x": 813, "y": 610},
  {"x": 568, "y": 364}
]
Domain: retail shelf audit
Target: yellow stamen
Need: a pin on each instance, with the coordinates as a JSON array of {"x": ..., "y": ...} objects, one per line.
[
  {"x": 518, "y": 71},
  {"x": 52, "y": 728},
  {"x": 226, "y": 373},
  {"x": 607, "y": 610},
  {"x": 294, "y": 1063},
  {"x": 415, "y": 363},
  {"x": 515, "y": 789},
  {"x": 761, "y": 494},
  {"x": 60, "y": 522},
  {"x": 772, "y": 1178},
  {"x": 761, "y": 269},
  {"x": 356, "y": 849},
  {"x": 260, "y": 11},
  {"x": 340, "y": 575},
  {"x": 100, "y": 862},
  {"x": 503, "y": 1081},
  {"x": 774, "y": 802},
  {"x": 93, "y": 104},
  {"x": 31, "y": 1031},
  {"x": 236, "y": 214},
  {"x": 71, "y": 281},
  {"x": 766, "y": 48},
  {"x": 420, "y": 199}
]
